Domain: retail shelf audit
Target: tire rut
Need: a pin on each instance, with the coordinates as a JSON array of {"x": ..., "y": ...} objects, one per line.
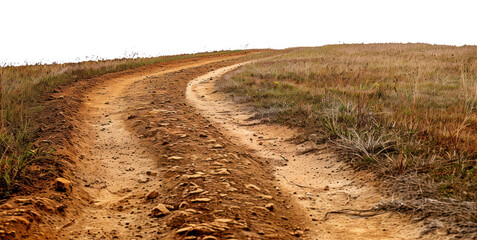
[{"x": 155, "y": 169}]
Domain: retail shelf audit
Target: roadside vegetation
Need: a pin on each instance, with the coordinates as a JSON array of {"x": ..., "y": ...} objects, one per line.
[
  {"x": 405, "y": 111},
  {"x": 21, "y": 90}
]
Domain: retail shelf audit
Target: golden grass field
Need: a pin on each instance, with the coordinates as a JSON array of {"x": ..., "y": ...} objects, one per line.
[{"x": 404, "y": 111}]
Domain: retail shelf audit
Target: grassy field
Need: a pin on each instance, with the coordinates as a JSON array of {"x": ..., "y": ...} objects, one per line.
[
  {"x": 405, "y": 111},
  {"x": 21, "y": 89}
]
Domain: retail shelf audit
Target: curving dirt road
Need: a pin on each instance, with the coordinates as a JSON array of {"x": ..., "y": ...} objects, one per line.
[
  {"x": 317, "y": 180},
  {"x": 154, "y": 167}
]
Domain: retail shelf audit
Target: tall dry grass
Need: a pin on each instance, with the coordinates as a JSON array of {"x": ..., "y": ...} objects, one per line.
[
  {"x": 21, "y": 88},
  {"x": 400, "y": 110}
]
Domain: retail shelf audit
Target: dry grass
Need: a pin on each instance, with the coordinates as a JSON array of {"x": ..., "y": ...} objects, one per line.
[
  {"x": 405, "y": 111},
  {"x": 22, "y": 87}
]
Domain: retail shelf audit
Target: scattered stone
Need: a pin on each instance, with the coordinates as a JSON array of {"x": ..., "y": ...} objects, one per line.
[
  {"x": 183, "y": 205},
  {"x": 153, "y": 194},
  {"x": 327, "y": 188},
  {"x": 194, "y": 176},
  {"x": 202, "y": 135},
  {"x": 221, "y": 171},
  {"x": 217, "y": 146},
  {"x": 266, "y": 197},
  {"x": 184, "y": 230},
  {"x": 198, "y": 190},
  {"x": 174, "y": 169},
  {"x": 61, "y": 207},
  {"x": 261, "y": 208},
  {"x": 131, "y": 116},
  {"x": 270, "y": 206},
  {"x": 298, "y": 233},
  {"x": 160, "y": 210},
  {"x": 24, "y": 201},
  {"x": 143, "y": 180},
  {"x": 223, "y": 220},
  {"x": 201, "y": 200},
  {"x": 209, "y": 238},
  {"x": 191, "y": 210},
  {"x": 175, "y": 158},
  {"x": 62, "y": 184},
  {"x": 151, "y": 173},
  {"x": 250, "y": 186},
  {"x": 6, "y": 206}
]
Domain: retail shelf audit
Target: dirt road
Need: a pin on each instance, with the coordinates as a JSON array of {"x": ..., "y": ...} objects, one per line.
[
  {"x": 153, "y": 168},
  {"x": 156, "y": 161}
]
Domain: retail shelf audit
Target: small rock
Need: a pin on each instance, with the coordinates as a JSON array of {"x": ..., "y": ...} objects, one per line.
[
  {"x": 143, "y": 180},
  {"x": 6, "y": 206},
  {"x": 151, "y": 173},
  {"x": 201, "y": 200},
  {"x": 62, "y": 184},
  {"x": 221, "y": 171},
  {"x": 209, "y": 238},
  {"x": 298, "y": 233},
  {"x": 223, "y": 220},
  {"x": 202, "y": 135},
  {"x": 24, "y": 201},
  {"x": 217, "y": 146},
  {"x": 175, "y": 158},
  {"x": 61, "y": 207},
  {"x": 190, "y": 210},
  {"x": 198, "y": 190},
  {"x": 153, "y": 194},
  {"x": 160, "y": 210},
  {"x": 270, "y": 206},
  {"x": 193, "y": 176},
  {"x": 266, "y": 197},
  {"x": 183, "y": 205},
  {"x": 326, "y": 188},
  {"x": 184, "y": 230},
  {"x": 250, "y": 186}
]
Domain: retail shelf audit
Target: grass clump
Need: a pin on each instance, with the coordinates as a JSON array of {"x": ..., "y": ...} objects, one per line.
[
  {"x": 22, "y": 88},
  {"x": 401, "y": 110}
]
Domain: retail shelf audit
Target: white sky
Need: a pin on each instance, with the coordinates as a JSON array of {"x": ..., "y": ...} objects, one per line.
[{"x": 67, "y": 30}]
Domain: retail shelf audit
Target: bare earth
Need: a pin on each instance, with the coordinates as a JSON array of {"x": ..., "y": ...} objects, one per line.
[{"x": 158, "y": 153}]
